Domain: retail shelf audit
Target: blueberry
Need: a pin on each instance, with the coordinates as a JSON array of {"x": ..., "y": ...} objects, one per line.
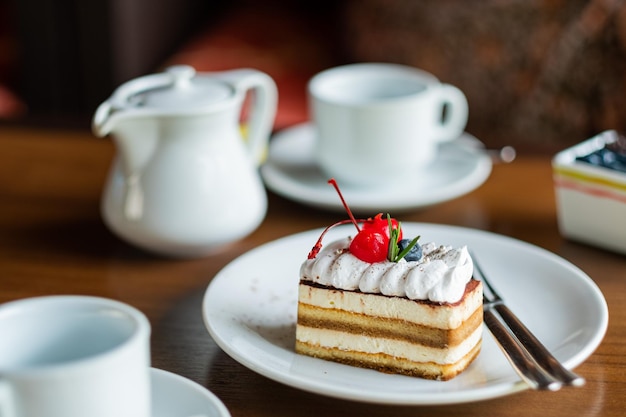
[
  {"x": 594, "y": 158},
  {"x": 605, "y": 158},
  {"x": 415, "y": 254},
  {"x": 608, "y": 157}
]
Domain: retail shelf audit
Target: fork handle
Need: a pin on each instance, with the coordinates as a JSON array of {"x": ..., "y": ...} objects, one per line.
[
  {"x": 527, "y": 369},
  {"x": 541, "y": 354}
]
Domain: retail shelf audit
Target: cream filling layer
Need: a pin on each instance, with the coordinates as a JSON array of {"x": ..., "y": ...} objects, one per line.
[
  {"x": 377, "y": 305},
  {"x": 334, "y": 339}
]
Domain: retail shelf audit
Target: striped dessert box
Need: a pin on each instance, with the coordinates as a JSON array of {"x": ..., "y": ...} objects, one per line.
[{"x": 591, "y": 199}]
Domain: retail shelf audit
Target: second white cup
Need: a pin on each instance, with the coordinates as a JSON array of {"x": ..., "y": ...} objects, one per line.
[
  {"x": 73, "y": 356},
  {"x": 380, "y": 123}
]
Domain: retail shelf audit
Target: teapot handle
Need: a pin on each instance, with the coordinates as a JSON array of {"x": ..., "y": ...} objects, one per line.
[{"x": 262, "y": 110}]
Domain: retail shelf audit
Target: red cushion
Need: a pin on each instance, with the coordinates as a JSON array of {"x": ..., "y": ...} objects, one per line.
[{"x": 279, "y": 43}]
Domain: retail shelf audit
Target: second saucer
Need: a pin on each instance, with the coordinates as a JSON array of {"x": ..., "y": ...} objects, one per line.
[{"x": 292, "y": 172}]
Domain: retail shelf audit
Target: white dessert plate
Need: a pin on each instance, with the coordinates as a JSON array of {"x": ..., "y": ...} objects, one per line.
[
  {"x": 176, "y": 396},
  {"x": 250, "y": 311},
  {"x": 291, "y": 171}
]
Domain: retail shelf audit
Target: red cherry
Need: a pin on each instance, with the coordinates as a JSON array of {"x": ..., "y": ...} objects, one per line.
[
  {"x": 370, "y": 246},
  {"x": 380, "y": 225}
]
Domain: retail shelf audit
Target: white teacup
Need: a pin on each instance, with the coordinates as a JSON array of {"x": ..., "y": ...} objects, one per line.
[
  {"x": 382, "y": 123},
  {"x": 73, "y": 356}
]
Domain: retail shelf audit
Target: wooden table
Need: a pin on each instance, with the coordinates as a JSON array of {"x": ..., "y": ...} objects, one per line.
[{"x": 52, "y": 241}]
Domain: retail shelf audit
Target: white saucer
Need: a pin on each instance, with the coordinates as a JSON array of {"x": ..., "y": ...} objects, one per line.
[
  {"x": 250, "y": 310},
  {"x": 176, "y": 396},
  {"x": 291, "y": 172}
]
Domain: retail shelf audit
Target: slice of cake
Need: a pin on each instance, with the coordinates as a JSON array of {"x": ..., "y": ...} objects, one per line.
[{"x": 382, "y": 302}]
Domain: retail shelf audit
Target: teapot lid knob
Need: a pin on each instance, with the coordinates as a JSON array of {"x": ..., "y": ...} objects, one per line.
[{"x": 182, "y": 74}]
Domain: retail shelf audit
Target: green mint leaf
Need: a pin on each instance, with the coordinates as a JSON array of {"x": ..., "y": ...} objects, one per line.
[{"x": 406, "y": 250}]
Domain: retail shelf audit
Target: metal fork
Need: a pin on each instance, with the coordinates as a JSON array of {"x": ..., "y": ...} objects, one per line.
[{"x": 528, "y": 356}]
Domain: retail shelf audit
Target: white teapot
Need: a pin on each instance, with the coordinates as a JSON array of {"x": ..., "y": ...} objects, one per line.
[{"x": 184, "y": 181}]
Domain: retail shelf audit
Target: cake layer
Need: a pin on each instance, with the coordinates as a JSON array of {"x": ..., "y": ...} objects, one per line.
[
  {"x": 423, "y": 313},
  {"x": 399, "y": 349},
  {"x": 385, "y": 363},
  {"x": 399, "y": 329}
]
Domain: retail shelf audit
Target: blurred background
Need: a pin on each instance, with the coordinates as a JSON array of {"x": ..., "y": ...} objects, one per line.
[{"x": 538, "y": 74}]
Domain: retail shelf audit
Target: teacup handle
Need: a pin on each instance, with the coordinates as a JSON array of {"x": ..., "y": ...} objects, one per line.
[
  {"x": 7, "y": 406},
  {"x": 453, "y": 119},
  {"x": 262, "y": 110}
]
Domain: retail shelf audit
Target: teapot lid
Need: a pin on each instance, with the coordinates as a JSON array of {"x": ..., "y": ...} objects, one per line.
[{"x": 178, "y": 88}]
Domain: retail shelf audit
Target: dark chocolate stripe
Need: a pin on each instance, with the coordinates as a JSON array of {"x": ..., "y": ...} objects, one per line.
[{"x": 471, "y": 285}]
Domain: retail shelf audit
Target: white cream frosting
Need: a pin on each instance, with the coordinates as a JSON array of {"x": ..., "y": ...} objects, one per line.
[{"x": 440, "y": 276}]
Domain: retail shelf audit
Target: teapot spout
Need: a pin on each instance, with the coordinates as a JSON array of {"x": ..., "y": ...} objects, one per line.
[
  {"x": 134, "y": 135},
  {"x": 103, "y": 120}
]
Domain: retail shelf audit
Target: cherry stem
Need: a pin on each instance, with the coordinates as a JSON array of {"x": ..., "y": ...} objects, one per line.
[
  {"x": 334, "y": 184},
  {"x": 318, "y": 245}
]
